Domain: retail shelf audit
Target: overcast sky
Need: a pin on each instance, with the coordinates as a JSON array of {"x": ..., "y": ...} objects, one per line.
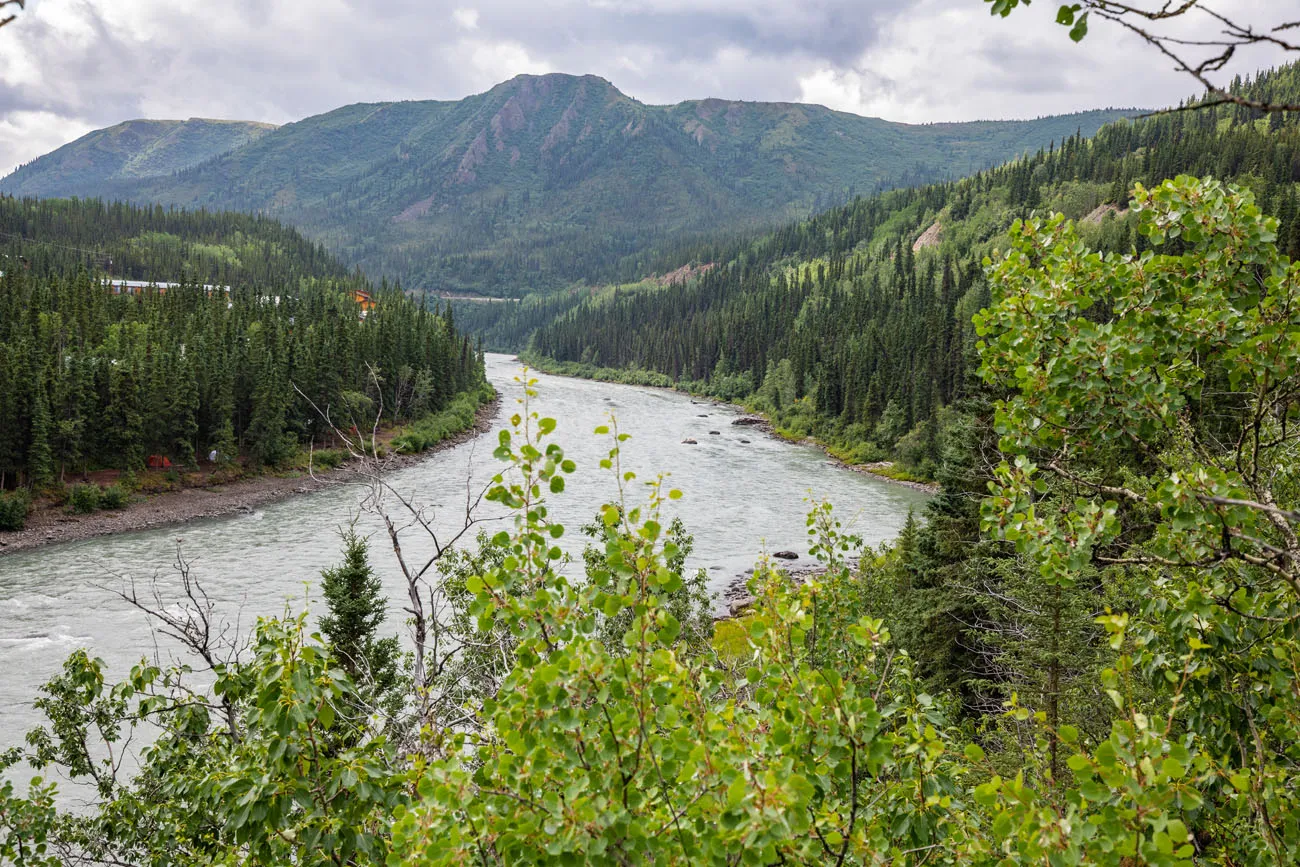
[{"x": 69, "y": 66}]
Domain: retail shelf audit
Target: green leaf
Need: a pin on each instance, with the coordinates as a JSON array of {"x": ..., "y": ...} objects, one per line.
[{"x": 1080, "y": 28}]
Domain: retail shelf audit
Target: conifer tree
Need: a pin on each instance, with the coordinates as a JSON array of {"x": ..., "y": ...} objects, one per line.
[
  {"x": 40, "y": 461},
  {"x": 357, "y": 606}
]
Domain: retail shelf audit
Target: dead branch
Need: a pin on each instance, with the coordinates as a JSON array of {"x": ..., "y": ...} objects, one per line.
[
  {"x": 21, "y": 4},
  {"x": 1200, "y": 58}
]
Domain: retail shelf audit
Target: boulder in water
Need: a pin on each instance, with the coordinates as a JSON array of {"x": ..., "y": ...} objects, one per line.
[
  {"x": 786, "y": 555},
  {"x": 689, "y": 442}
]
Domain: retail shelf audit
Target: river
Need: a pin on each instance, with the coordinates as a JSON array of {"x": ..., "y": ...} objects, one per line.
[{"x": 740, "y": 498}]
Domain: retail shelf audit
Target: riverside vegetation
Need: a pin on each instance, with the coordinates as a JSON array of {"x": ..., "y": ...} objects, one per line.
[
  {"x": 855, "y": 326},
  {"x": 260, "y": 351},
  {"x": 1091, "y": 660}
]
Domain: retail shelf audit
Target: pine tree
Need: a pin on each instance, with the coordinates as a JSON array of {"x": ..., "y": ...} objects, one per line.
[
  {"x": 183, "y": 410},
  {"x": 356, "y": 603},
  {"x": 40, "y": 458}
]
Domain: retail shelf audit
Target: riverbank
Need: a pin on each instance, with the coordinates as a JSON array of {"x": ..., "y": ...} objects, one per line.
[
  {"x": 755, "y": 419},
  {"x": 52, "y": 526}
]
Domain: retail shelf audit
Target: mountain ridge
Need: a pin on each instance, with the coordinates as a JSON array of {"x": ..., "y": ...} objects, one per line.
[
  {"x": 138, "y": 148},
  {"x": 543, "y": 180}
]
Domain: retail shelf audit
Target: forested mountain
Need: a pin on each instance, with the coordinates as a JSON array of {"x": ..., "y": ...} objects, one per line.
[
  {"x": 130, "y": 150},
  {"x": 261, "y": 326},
  {"x": 546, "y": 179},
  {"x": 51, "y": 237},
  {"x": 855, "y": 325}
]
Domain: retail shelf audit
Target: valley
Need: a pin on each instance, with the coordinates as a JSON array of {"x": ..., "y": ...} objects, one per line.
[{"x": 553, "y": 475}]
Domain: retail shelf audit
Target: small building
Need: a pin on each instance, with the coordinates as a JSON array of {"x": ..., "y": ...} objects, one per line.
[{"x": 120, "y": 286}]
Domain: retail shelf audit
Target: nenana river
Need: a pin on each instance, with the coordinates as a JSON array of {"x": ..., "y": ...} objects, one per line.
[{"x": 739, "y": 499}]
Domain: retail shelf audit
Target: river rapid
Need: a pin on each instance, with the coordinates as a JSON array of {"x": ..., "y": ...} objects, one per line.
[{"x": 740, "y": 498}]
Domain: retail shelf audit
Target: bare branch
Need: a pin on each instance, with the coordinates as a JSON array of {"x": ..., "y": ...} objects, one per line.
[
  {"x": 7, "y": 18},
  {"x": 1199, "y": 58}
]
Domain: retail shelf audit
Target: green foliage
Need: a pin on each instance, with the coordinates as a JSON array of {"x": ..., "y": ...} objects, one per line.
[
  {"x": 90, "y": 378},
  {"x": 1156, "y": 434},
  {"x": 329, "y": 459},
  {"x": 114, "y": 497},
  {"x": 84, "y": 498},
  {"x": 458, "y": 417},
  {"x": 13, "y": 510},
  {"x": 26, "y": 822},
  {"x": 357, "y": 608}
]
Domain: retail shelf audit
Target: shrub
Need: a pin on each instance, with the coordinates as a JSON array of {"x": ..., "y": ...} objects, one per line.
[
  {"x": 84, "y": 499},
  {"x": 114, "y": 497},
  {"x": 427, "y": 432},
  {"x": 328, "y": 459},
  {"x": 13, "y": 510}
]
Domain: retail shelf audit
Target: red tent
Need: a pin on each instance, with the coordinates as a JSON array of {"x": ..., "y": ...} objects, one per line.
[{"x": 158, "y": 462}]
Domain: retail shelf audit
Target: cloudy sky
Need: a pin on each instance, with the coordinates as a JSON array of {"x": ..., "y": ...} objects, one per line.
[{"x": 69, "y": 66}]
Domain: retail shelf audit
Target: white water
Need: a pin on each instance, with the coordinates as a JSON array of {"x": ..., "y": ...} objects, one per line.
[{"x": 739, "y": 499}]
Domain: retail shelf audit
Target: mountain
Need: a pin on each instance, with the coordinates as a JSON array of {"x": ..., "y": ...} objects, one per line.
[
  {"x": 543, "y": 180},
  {"x": 132, "y": 150}
]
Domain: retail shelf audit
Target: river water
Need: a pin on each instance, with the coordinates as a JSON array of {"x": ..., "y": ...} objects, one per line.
[{"x": 740, "y": 498}]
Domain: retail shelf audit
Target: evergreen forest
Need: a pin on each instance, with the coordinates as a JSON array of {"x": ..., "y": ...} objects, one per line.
[{"x": 256, "y": 337}]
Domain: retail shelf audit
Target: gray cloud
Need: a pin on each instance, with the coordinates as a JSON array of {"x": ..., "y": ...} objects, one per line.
[{"x": 72, "y": 65}]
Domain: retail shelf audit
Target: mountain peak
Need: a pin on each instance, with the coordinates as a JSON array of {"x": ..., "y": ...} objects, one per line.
[{"x": 552, "y": 84}]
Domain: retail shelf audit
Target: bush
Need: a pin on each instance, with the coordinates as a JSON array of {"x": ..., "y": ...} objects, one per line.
[
  {"x": 114, "y": 497},
  {"x": 84, "y": 499},
  {"x": 436, "y": 427},
  {"x": 328, "y": 459},
  {"x": 13, "y": 510}
]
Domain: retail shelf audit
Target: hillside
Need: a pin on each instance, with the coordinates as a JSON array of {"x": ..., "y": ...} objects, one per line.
[
  {"x": 58, "y": 237},
  {"x": 93, "y": 379},
  {"x": 546, "y": 179},
  {"x": 855, "y": 325},
  {"x": 131, "y": 150}
]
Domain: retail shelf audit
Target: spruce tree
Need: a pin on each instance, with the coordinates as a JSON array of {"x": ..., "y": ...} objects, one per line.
[
  {"x": 40, "y": 460},
  {"x": 356, "y": 603}
]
